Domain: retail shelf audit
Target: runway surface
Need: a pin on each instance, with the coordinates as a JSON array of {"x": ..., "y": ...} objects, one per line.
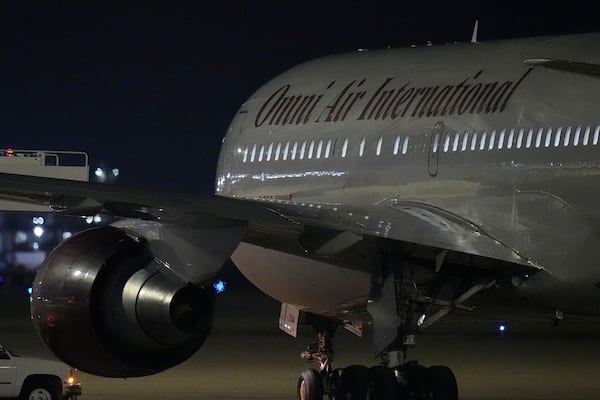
[{"x": 247, "y": 357}]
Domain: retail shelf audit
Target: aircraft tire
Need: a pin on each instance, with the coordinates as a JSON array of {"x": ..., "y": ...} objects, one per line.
[
  {"x": 384, "y": 385},
  {"x": 310, "y": 385},
  {"x": 442, "y": 383},
  {"x": 354, "y": 383},
  {"x": 416, "y": 382},
  {"x": 334, "y": 379}
]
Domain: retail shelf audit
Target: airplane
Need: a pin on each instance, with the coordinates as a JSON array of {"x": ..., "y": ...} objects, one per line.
[{"x": 386, "y": 187}]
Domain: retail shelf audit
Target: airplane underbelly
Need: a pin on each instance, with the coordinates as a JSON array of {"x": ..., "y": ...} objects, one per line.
[{"x": 314, "y": 286}]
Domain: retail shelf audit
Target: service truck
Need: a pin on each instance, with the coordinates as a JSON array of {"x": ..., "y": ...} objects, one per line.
[{"x": 28, "y": 378}]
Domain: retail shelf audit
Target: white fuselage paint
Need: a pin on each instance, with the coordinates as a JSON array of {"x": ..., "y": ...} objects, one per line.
[{"x": 469, "y": 129}]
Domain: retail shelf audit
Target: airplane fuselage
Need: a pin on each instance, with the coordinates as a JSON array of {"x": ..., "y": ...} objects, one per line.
[{"x": 478, "y": 132}]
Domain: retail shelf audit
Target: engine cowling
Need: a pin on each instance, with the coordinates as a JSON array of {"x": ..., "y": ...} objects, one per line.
[{"x": 102, "y": 303}]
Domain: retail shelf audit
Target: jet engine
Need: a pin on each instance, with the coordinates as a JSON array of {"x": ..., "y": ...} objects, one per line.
[{"x": 103, "y": 303}]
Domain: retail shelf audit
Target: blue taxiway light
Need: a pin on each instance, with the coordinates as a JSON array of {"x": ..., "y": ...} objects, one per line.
[
  {"x": 29, "y": 290},
  {"x": 502, "y": 328},
  {"x": 219, "y": 286}
]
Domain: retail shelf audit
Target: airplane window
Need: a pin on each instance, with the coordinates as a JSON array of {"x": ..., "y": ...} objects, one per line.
[
  {"x": 511, "y": 137},
  {"x": 501, "y": 139},
  {"x": 465, "y": 141},
  {"x": 311, "y": 148},
  {"x": 482, "y": 143},
  {"x": 586, "y": 136},
  {"x": 396, "y": 144},
  {"x": 361, "y": 148},
  {"x": 576, "y": 138},
  {"x": 529, "y": 138},
  {"x": 253, "y": 154},
  {"x": 379, "y": 143},
  {"x": 285, "y": 151},
  {"x": 302, "y": 150},
  {"x": 538, "y": 137},
  {"x": 447, "y": 142},
  {"x": 474, "y": 141},
  {"x": 245, "y": 156},
  {"x": 294, "y": 150},
  {"x": 277, "y": 151},
  {"x": 269, "y": 151},
  {"x": 328, "y": 149},
  {"x": 492, "y": 140},
  {"x": 567, "y": 137},
  {"x": 436, "y": 141},
  {"x": 520, "y": 138},
  {"x": 262, "y": 152},
  {"x": 456, "y": 140},
  {"x": 344, "y": 148},
  {"x": 596, "y": 133},
  {"x": 548, "y": 138},
  {"x": 319, "y": 149},
  {"x": 405, "y": 145},
  {"x": 557, "y": 137}
]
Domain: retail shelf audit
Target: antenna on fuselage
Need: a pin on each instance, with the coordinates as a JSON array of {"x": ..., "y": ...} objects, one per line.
[{"x": 474, "y": 35}]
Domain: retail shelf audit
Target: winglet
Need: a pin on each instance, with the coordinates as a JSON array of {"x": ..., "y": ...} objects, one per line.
[{"x": 475, "y": 29}]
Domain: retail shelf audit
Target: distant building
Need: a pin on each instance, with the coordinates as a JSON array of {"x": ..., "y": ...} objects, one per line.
[{"x": 26, "y": 240}]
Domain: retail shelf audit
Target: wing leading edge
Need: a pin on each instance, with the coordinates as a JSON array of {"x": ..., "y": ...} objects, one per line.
[{"x": 324, "y": 229}]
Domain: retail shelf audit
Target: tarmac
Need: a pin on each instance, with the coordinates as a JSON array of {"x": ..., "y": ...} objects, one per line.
[{"x": 248, "y": 357}]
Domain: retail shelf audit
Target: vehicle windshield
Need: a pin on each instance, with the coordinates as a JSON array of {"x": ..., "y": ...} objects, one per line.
[{"x": 5, "y": 350}]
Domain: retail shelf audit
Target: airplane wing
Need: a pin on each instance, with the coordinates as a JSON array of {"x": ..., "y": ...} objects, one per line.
[
  {"x": 323, "y": 229},
  {"x": 574, "y": 67},
  {"x": 28, "y": 193},
  {"x": 407, "y": 221}
]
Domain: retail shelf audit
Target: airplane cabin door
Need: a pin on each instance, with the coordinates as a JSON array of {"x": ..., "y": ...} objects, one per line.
[{"x": 433, "y": 156}]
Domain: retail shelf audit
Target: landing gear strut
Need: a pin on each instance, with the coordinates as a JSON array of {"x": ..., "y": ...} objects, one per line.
[
  {"x": 355, "y": 382},
  {"x": 313, "y": 384},
  {"x": 398, "y": 312}
]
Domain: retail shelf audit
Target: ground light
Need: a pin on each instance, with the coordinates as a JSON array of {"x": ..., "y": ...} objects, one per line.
[
  {"x": 38, "y": 231},
  {"x": 219, "y": 286}
]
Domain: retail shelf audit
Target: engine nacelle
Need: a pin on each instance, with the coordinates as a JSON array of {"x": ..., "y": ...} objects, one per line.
[{"x": 103, "y": 304}]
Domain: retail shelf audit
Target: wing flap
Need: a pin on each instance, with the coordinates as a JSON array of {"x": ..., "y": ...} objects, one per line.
[{"x": 410, "y": 222}]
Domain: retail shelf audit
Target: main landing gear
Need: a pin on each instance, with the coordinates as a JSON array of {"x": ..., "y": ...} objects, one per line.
[
  {"x": 353, "y": 382},
  {"x": 398, "y": 312},
  {"x": 381, "y": 382}
]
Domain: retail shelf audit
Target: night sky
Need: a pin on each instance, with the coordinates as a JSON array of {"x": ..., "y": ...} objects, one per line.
[{"x": 151, "y": 87}]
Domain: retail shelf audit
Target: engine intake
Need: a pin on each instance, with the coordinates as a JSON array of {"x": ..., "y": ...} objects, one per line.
[{"x": 102, "y": 303}]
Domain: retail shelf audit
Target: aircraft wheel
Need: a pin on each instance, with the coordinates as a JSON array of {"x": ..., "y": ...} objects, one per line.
[
  {"x": 334, "y": 379},
  {"x": 384, "y": 385},
  {"x": 415, "y": 384},
  {"x": 354, "y": 383},
  {"x": 442, "y": 383},
  {"x": 310, "y": 385}
]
